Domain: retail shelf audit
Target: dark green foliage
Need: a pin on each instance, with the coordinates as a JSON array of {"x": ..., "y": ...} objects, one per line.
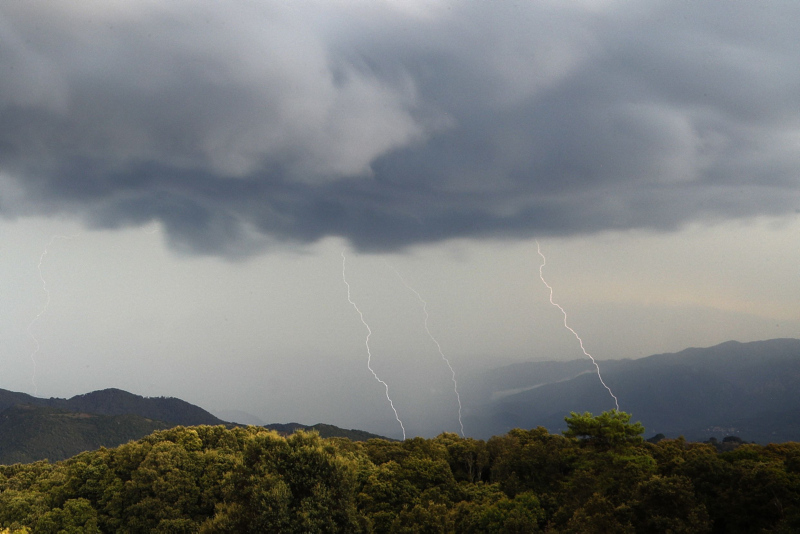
[
  {"x": 608, "y": 430},
  {"x": 598, "y": 477},
  {"x": 668, "y": 504}
]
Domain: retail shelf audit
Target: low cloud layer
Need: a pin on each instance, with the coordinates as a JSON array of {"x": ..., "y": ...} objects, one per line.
[{"x": 243, "y": 124}]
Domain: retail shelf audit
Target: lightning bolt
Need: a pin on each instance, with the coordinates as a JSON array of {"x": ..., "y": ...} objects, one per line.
[
  {"x": 439, "y": 347},
  {"x": 369, "y": 352},
  {"x": 36, "y": 346},
  {"x": 541, "y": 275}
]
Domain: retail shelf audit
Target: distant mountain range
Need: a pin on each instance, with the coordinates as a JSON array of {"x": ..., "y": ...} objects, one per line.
[
  {"x": 749, "y": 390},
  {"x": 744, "y": 389}
]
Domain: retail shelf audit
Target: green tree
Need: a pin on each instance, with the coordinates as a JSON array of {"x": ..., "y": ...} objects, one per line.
[
  {"x": 468, "y": 458},
  {"x": 499, "y": 514},
  {"x": 598, "y": 515},
  {"x": 669, "y": 505},
  {"x": 611, "y": 429},
  {"x": 531, "y": 460},
  {"x": 76, "y": 517}
]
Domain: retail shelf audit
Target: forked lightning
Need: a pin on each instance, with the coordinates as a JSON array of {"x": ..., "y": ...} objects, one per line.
[
  {"x": 439, "y": 347},
  {"x": 541, "y": 275},
  {"x": 369, "y": 352},
  {"x": 36, "y": 346}
]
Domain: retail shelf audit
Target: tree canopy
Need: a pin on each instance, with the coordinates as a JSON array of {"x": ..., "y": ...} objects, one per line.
[
  {"x": 600, "y": 476},
  {"x": 606, "y": 431}
]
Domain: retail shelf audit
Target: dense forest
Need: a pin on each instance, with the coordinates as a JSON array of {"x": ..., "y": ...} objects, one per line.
[{"x": 599, "y": 476}]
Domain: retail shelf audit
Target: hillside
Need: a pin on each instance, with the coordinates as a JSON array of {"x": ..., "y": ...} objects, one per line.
[
  {"x": 745, "y": 389},
  {"x": 118, "y": 402},
  {"x": 33, "y": 429},
  {"x": 30, "y": 433}
]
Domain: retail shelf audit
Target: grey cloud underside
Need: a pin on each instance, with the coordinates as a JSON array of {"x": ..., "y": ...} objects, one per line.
[{"x": 391, "y": 130}]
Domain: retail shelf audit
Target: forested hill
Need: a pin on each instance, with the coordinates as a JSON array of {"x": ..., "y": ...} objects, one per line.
[
  {"x": 599, "y": 477},
  {"x": 743, "y": 389},
  {"x": 33, "y": 429},
  {"x": 31, "y": 433},
  {"x": 118, "y": 402}
]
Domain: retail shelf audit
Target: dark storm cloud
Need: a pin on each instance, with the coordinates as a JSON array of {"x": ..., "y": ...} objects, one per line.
[{"x": 244, "y": 125}]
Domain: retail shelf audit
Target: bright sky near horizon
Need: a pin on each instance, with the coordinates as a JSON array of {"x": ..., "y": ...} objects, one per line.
[{"x": 211, "y": 162}]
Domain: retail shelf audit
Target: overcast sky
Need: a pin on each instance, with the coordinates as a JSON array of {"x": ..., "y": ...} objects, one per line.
[{"x": 178, "y": 181}]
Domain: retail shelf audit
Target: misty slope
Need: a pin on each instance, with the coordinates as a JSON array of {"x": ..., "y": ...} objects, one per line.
[
  {"x": 493, "y": 384},
  {"x": 747, "y": 389}
]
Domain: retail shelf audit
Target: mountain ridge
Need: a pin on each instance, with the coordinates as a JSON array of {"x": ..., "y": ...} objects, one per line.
[
  {"x": 113, "y": 401},
  {"x": 688, "y": 393}
]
